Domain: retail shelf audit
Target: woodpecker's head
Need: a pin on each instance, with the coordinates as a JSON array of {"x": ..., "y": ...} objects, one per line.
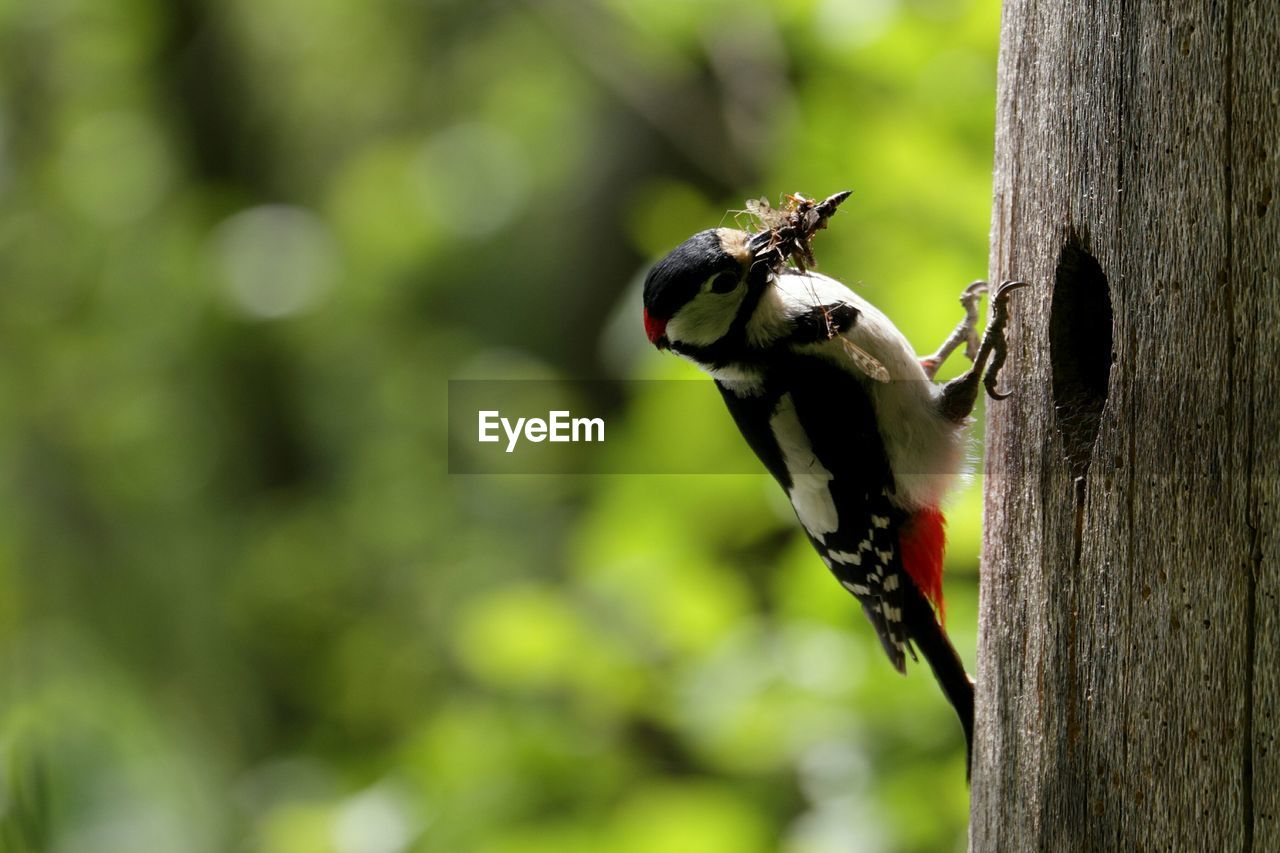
[{"x": 693, "y": 294}]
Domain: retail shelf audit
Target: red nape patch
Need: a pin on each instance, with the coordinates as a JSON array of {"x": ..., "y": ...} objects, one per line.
[
  {"x": 923, "y": 540},
  {"x": 655, "y": 329}
]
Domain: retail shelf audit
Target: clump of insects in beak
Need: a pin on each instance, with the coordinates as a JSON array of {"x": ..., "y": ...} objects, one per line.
[{"x": 785, "y": 234}]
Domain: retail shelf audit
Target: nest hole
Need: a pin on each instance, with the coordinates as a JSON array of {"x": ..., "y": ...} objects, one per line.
[{"x": 1080, "y": 350}]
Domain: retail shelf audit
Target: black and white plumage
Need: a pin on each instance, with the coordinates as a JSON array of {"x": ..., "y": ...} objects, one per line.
[{"x": 837, "y": 406}]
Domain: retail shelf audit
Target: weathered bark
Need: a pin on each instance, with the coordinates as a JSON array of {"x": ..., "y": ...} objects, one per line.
[{"x": 1129, "y": 669}]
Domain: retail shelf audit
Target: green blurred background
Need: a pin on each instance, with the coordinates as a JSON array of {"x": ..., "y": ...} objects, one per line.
[{"x": 243, "y": 246}]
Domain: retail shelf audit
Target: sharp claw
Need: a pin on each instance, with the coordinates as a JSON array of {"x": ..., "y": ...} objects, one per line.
[
  {"x": 1009, "y": 286},
  {"x": 993, "y": 376},
  {"x": 991, "y": 388}
]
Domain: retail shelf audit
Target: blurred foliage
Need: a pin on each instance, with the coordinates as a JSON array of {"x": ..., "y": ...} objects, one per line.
[{"x": 244, "y": 245}]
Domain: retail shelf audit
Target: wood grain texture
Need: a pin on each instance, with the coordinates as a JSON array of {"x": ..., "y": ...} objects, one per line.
[{"x": 1129, "y": 637}]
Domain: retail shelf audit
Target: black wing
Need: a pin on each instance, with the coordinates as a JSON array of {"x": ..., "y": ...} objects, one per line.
[{"x": 840, "y": 424}]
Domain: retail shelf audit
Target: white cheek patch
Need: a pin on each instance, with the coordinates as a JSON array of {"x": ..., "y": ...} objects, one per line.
[
  {"x": 706, "y": 319},
  {"x": 810, "y": 491}
]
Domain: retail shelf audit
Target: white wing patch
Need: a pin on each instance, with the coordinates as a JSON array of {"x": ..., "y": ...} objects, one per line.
[{"x": 810, "y": 491}]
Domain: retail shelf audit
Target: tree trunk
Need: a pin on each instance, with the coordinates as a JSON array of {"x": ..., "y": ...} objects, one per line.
[{"x": 1129, "y": 670}]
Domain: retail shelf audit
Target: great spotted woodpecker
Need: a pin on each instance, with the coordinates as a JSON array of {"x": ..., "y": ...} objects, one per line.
[{"x": 834, "y": 401}]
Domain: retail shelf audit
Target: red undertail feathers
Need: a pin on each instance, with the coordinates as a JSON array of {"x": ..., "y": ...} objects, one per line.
[{"x": 923, "y": 540}]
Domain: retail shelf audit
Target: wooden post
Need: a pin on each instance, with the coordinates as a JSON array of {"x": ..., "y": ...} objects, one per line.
[{"x": 1129, "y": 649}]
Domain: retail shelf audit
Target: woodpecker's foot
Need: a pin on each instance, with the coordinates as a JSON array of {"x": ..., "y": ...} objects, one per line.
[
  {"x": 994, "y": 338},
  {"x": 965, "y": 332},
  {"x": 959, "y": 395}
]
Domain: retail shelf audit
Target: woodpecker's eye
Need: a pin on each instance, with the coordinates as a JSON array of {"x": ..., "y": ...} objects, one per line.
[{"x": 724, "y": 283}]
